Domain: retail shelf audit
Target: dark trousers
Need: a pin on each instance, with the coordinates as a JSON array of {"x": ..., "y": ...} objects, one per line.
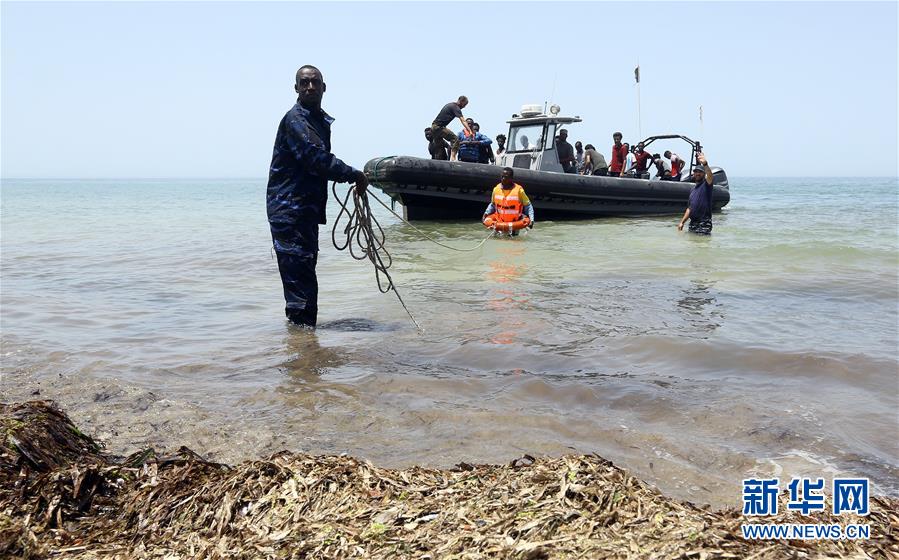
[
  {"x": 296, "y": 246},
  {"x": 602, "y": 172},
  {"x": 701, "y": 226},
  {"x": 569, "y": 167},
  {"x": 446, "y": 134},
  {"x": 614, "y": 173}
]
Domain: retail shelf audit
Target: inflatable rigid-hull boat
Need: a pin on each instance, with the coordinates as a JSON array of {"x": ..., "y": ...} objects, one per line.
[{"x": 436, "y": 190}]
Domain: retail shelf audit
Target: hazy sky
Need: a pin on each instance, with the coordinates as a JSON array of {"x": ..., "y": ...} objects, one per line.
[{"x": 198, "y": 89}]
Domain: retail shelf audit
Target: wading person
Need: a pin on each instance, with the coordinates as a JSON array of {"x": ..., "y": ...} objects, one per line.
[
  {"x": 439, "y": 129},
  {"x": 509, "y": 201},
  {"x": 302, "y": 165},
  {"x": 699, "y": 208}
]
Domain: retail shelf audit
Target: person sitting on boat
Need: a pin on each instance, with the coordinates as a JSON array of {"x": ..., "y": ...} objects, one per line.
[
  {"x": 446, "y": 115},
  {"x": 485, "y": 152},
  {"x": 437, "y": 147},
  {"x": 500, "y": 147},
  {"x": 470, "y": 146},
  {"x": 699, "y": 208},
  {"x": 629, "y": 162},
  {"x": 663, "y": 167},
  {"x": 619, "y": 152},
  {"x": 594, "y": 162},
  {"x": 509, "y": 202},
  {"x": 579, "y": 155},
  {"x": 641, "y": 161},
  {"x": 677, "y": 165},
  {"x": 525, "y": 143},
  {"x": 565, "y": 151}
]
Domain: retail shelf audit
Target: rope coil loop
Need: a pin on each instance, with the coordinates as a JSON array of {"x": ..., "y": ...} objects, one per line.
[{"x": 364, "y": 237}]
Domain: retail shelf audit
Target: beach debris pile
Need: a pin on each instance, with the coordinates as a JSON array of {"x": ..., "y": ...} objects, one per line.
[{"x": 61, "y": 496}]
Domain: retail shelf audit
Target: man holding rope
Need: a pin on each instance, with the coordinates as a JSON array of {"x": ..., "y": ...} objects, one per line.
[{"x": 302, "y": 165}]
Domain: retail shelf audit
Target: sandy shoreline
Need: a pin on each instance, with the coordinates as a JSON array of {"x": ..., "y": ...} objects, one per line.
[{"x": 62, "y": 495}]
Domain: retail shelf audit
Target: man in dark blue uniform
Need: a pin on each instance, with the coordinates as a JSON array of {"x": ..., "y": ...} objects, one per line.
[{"x": 302, "y": 165}]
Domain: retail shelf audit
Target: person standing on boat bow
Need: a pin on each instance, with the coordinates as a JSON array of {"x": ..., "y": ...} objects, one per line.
[
  {"x": 619, "y": 153},
  {"x": 439, "y": 129},
  {"x": 699, "y": 208},
  {"x": 509, "y": 202},
  {"x": 302, "y": 165}
]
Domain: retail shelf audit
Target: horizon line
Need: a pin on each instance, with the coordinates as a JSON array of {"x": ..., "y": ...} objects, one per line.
[{"x": 198, "y": 178}]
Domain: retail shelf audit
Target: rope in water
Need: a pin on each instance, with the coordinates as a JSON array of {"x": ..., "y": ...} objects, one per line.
[
  {"x": 364, "y": 241},
  {"x": 364, "y": 237},
  {"x": 425, "y": 235}
]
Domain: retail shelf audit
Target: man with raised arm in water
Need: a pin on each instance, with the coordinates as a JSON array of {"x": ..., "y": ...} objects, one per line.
[
  {"x": 699, "y": 207},
  {"x": 302, "y": 165}
]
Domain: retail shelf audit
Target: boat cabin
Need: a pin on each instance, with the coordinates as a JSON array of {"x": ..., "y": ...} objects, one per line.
[{"x": 531, "y": 142}]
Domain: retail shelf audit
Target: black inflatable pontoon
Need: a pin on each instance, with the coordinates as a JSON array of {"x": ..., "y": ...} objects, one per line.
[{"x": 434, "y": 190}]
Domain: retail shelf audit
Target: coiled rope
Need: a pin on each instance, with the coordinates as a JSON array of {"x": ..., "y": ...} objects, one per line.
[{"x": 364, "y": 237}]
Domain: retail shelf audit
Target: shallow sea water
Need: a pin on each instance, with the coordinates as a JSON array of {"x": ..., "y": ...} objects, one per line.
[{"x": 152, "y": 311}]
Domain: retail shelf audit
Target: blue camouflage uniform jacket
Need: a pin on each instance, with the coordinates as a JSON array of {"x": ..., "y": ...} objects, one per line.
[
  {"x": 302, "y": 165},
  {"x": 471, "y": 151}
]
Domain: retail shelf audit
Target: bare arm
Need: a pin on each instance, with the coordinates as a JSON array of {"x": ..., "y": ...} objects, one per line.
[
  {"x": 468, "y": 131},
  {"x": 680, "y": 226},
  {"x": 709, "y": 176}
]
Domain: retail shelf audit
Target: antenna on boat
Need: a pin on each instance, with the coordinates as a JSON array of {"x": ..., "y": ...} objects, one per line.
[
  {"x": 551, "y": 95},
  {"x": 701, "y": 124}
]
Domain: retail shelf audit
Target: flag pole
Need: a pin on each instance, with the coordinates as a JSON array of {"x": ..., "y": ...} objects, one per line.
[
  {"x": 701, "y": 125},
  {"x": 639, "y": 118}
]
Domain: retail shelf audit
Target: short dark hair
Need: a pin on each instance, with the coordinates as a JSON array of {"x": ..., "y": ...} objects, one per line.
[
  {"x": 563, "y": 131},
  {"x": 310, "y": 67},
  {"x": 498, "y": 136},
  {"x": 589, "y": 147},
  {"x": 510, "y": 170},
  {"x": 462, "y": 99},
  {"x": 618, "y": 134}
]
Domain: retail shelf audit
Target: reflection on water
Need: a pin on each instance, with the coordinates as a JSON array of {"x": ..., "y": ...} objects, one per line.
[
  {"x": 769, "y": 347},
  {"x": 507, "y": 302},
  {"x": 700, "y": 306},
  {"x": 306, "y": 358}
]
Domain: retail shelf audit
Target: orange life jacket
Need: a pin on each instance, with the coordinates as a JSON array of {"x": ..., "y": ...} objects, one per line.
[{"x": 507, "y": 203}]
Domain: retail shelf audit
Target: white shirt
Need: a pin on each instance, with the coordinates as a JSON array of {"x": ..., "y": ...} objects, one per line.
[{"x": 629, "y": 162}]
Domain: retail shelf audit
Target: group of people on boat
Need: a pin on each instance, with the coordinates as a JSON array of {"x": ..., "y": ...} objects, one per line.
[{"x": 472, "y": 146}]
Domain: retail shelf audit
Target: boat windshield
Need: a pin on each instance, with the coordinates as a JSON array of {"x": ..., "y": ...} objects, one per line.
[{"x": 526, "y": 138}]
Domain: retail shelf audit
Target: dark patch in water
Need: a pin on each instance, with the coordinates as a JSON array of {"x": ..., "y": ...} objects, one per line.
[{"x": 358, "y": 324}]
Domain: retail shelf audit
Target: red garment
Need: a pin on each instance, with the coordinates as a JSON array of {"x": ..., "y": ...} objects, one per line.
[
  {"x": 676, "y": 164},
  {"x": 641, "y": 158},
  {"x": 619, "y": 153}
]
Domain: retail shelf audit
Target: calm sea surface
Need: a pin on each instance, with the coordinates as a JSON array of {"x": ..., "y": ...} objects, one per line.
[{"x": 152, "y": 311}]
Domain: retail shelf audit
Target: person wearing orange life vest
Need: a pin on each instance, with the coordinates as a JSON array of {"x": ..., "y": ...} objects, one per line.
[{"x": 509, "y": 201}]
